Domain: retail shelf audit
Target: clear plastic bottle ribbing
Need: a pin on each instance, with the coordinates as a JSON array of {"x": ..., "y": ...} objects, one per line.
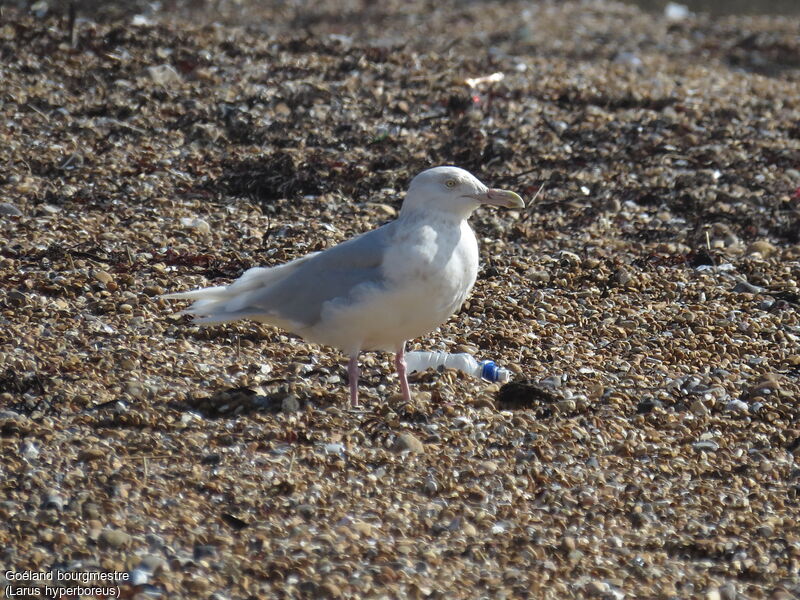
[{"x": 487, "y": 370}]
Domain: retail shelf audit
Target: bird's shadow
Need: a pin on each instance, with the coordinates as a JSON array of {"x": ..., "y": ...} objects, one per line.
[{"x": 240, "y": 401}]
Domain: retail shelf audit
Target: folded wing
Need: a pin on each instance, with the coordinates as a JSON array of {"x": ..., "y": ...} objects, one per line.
[{"x": 292, "y": 295}]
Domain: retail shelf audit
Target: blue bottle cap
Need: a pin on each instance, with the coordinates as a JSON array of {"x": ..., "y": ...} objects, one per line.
[{"x": 489, "y": 370}]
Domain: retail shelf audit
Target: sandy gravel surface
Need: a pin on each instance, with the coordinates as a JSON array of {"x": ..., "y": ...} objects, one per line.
[{"x": 647, "y": 302}]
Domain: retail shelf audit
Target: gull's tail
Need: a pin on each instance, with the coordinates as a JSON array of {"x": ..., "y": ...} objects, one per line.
[
  {"x": 225, "y": 303},
  {"x": 209, "y": 303},
  {"x": 239, "y": 300}
]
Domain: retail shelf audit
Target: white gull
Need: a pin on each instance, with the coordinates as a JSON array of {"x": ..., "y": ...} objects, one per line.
[{"x": 377, "y": 290}]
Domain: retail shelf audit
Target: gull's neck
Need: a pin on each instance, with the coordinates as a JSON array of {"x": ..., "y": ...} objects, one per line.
[{"x": 413, "y": 214}]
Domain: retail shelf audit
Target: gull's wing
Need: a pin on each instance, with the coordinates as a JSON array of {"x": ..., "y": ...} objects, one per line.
[{"x": 292, "y": 295}]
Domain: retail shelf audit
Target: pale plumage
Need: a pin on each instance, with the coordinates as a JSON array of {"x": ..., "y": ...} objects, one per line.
[{"x": 377, "y": 290}]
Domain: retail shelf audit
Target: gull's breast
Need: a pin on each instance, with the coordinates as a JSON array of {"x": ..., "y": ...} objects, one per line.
[
  {"x": 429, "y": 271},
  {"x": 436, "y": 262}
]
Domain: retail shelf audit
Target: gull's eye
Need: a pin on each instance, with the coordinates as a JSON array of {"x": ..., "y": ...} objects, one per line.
[{"x": 450, "y": 183}]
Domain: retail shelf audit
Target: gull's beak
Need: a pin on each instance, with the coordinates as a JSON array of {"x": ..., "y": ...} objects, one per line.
[{"x": 504, "y": 198}]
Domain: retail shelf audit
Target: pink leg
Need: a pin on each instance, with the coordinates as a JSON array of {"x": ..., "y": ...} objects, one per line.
[
  {"x": 352, "y": 376},
  {"x": 400, "y": 365}
]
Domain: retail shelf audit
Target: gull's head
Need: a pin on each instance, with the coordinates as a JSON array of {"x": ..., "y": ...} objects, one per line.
[{"x": 455, "y": 191}]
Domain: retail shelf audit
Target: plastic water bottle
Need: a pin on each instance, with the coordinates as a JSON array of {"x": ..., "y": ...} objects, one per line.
[{"x": 419, "y": 361}]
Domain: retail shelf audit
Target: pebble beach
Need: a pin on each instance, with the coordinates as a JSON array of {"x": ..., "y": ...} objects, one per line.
[{"x": 646, "y": 301}]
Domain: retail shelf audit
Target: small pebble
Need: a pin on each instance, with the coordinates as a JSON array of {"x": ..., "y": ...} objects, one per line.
[
  {"x": 552, "y": 381},
  {"x": 765, "y": 531},
  {"x": 307, "y": 511},
  {"x": 622, "y": 277},
  {"x": 539, "y": 277},
  {"x": 91, "y": 510},
  {"x": 103, "y": 277},
  {"x": 153, "y": 564},
  {"x": 200, "y": 225},
  {"x": 165, "y": 75},
  {"x": 566, "y": 406},
  {"x": 761, "y": 247},
  {"x": 706, "y": 445},
  {"x": 139, "y": 577},
  {"x": 488, "y": 466},
  {"x": 698, "y": 407},
  {"x": 727, "y": 591},
  {"x": 335, "y": 448},
  {"x": 597, "y": 588},
  {"x": 407, "y": 441},
  {"x": 737, "y": 406},
  {"x": 90, "y": 454},
  {"x": 29, "y": 450},
  {"x": 154, "y": 540},
  {"x": 568, "y": 260},
  {"x": 9, "y": 210},
  {"x": 55, "y": 500},
  {"x": 744, "y": 287},
  {"x": 290, "y": 404},
  {"x": 431, "y": 487},
  {"x": 114, "y": 538},
  {"x": 202, "y": 551}
]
